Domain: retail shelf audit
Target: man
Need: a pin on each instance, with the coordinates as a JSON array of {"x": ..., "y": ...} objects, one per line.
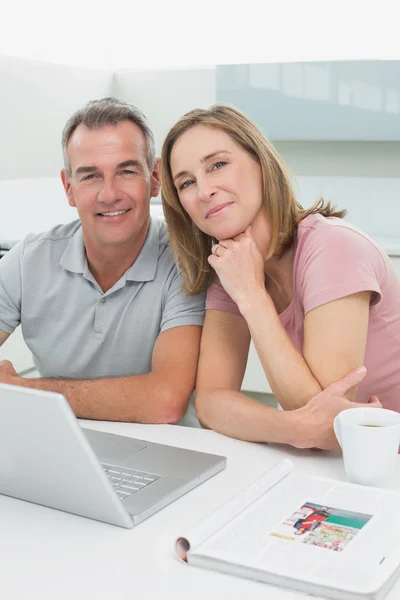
[{"x": 100, "y": 299}]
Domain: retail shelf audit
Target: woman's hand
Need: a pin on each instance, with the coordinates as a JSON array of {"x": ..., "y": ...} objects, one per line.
[
  {"x": 313, "y": 423},
  {"x": 239, "y": 266}
]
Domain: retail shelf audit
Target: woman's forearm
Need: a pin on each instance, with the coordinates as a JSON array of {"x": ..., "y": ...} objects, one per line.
[
  {"x": 235, "y": 415},
  {"x": 289, "y": 375},
  {"x": 231, "y": 413}
]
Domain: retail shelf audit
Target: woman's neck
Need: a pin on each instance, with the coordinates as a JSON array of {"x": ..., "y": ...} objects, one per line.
[
  {"x": 279, "y": 279},
  {"x": 278, "y": 271}
]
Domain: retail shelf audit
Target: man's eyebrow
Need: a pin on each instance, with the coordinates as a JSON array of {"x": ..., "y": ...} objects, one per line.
[
  {"x": 126, "y": 163},
  {"x": 203, "y": 160},
  {"x": 130, "y": 163},
  {"x": 88, "y": 169}
]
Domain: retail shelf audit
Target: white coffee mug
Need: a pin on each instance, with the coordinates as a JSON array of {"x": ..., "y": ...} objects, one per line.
[{"x": 370, "y": 439}]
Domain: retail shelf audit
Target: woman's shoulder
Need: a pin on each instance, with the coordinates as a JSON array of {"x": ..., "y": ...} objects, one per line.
[
  {"x": 334, "y": 259},
  {"x": 318, "y": 223},
  {"x": 328, "y": 244},
  {"x": 319, "y": 231}
]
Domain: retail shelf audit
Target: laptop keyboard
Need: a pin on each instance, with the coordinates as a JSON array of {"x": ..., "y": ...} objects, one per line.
[{"x": 128, "y": 481}]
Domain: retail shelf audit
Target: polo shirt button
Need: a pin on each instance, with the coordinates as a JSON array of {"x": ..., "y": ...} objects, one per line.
[{"x": 102, "y": 300}]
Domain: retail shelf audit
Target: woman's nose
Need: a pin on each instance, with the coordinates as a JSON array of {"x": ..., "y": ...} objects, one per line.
[{"x": 205, "y": 192}]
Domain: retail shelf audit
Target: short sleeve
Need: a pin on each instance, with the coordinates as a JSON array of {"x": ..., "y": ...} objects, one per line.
[
  {"x": 219, "y": 299},
  {"x": 11, "y": 288},
  {"x": 178, "y": 307},
  {"x": 337, "y": 261}
]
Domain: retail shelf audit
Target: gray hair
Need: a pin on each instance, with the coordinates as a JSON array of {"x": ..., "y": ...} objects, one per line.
[{"x": 108, "y": 111}]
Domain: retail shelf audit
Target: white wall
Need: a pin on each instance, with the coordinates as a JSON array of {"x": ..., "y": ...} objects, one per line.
[
  {"x": 165, "y": 95},
  {"x": 363, "y": 177},
  {"x": 373, "y": 203},
  {"x": 36, "y": 100},
  {"x": 32, "y": 205}
]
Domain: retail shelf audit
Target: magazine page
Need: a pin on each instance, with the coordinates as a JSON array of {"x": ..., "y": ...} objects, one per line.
[
  {"x": 231, "y": 509},
  {"x": 313, "y": 530}
]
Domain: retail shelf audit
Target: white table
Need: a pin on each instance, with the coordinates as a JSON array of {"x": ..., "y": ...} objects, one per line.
[{"x": 48, "y": 554}]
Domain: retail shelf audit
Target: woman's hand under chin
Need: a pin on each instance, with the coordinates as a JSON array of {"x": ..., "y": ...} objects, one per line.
[{"x": 240, "y": 268}]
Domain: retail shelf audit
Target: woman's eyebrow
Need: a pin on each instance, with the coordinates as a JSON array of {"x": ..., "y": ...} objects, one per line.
[{"x": 203, "y": 160}]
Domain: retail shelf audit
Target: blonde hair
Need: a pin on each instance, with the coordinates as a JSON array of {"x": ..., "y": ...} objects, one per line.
[{"x": 190, "y": 246}]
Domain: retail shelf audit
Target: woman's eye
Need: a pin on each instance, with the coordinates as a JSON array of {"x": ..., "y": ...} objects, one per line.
[
  {"x": 186, "y": 184},
  {"x": 218, "y": 164}
]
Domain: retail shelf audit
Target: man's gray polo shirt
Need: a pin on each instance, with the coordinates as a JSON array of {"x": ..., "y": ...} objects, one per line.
[{"x": 72, "y": 328}]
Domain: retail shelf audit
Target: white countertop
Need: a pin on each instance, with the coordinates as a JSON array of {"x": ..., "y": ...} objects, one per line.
[{"x": 47, "y": 554}]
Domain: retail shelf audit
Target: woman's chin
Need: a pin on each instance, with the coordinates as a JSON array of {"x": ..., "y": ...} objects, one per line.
[{"x": 227, "y": 232}]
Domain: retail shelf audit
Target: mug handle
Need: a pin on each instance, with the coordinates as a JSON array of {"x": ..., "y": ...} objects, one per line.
[{"x": 336, "y": 429}]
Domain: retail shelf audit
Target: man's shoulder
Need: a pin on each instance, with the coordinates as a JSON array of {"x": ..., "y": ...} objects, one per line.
[
  {"x": 161, "y": 225},
  {"x": 54, "y": 241},
  {"x": 164, "y": 248},
  {"x": 166, "y": 269},
  {"x": 58, "y": 233}
]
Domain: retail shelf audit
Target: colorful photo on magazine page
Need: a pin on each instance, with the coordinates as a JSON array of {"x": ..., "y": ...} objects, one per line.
[{"x": 323, "y": 526}]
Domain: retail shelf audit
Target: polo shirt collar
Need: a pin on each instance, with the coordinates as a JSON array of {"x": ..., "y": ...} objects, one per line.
[
  {"x": 145, "y": 266},
  {"x": 143, "y": 269},
  {"x": 74, "y": 256}
]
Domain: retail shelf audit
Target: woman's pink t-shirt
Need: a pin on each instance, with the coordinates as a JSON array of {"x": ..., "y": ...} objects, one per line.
[{"x": 333, "y": 259}]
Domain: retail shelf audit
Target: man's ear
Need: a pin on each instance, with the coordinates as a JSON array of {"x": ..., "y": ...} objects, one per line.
[
  {"x": 155, "y": 179},
  {"x": 67, "y": 187}
]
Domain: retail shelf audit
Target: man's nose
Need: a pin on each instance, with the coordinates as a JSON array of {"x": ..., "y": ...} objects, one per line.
[{"x": 109, "y": 192}]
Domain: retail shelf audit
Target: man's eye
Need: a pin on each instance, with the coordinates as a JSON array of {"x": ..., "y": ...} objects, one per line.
[
  {"x": 186, "y": 184},
  {"x": 128, "y": 172},
  {"x": 218, "y": 164},
  {"x": 87, "y": 177}
]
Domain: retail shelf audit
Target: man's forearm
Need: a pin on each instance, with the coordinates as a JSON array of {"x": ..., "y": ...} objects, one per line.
[
  {"x": 289, "y": 375},
  {"x": 137, "y": 398},
  {"x": 3, "y": 337}
]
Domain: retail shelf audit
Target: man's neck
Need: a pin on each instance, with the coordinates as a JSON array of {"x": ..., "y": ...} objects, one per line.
[{"x": 109, "y": 263}]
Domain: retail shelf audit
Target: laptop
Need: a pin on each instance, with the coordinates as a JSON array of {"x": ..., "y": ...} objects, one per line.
[{"x": 47, "y": 458}]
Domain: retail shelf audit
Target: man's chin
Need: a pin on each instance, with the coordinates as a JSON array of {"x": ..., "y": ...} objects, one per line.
[{"x": 116, "y": 241}]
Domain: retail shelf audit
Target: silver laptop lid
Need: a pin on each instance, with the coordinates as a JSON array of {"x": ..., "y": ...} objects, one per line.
[{"x": 45, "y": 457}]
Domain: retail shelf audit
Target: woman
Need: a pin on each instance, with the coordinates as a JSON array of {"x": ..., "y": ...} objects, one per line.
[{"x": 316, "y": 295}]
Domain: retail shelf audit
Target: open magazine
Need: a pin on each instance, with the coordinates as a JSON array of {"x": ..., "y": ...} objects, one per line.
[{"x": 314, "y": 535}]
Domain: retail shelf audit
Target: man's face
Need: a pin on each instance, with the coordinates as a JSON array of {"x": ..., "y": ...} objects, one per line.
[{"x": 110, "y": 183}]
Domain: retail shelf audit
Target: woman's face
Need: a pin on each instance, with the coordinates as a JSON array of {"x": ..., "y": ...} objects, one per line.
[{"x": 218, "y": 183}]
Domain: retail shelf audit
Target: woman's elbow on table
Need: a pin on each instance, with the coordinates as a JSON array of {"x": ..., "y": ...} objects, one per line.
[{"x": 203, "y": 402}]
